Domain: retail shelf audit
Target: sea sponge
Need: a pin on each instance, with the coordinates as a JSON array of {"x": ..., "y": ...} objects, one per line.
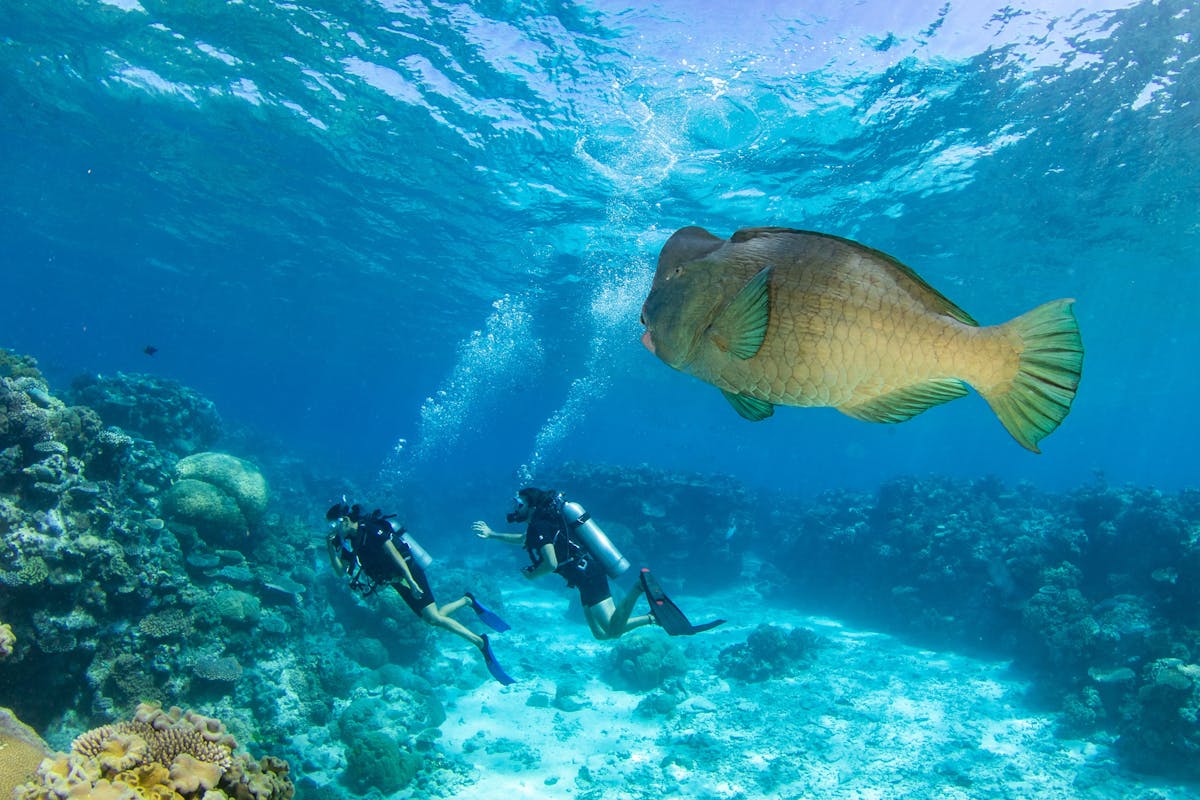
[
  {"x": 21, "y": 751},
  {"x": 219, "y": 494}
]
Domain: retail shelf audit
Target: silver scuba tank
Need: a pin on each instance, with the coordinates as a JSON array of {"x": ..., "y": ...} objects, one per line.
[
  {"x": 420, "y": 554},
  {"x": 594, "y": 540}
]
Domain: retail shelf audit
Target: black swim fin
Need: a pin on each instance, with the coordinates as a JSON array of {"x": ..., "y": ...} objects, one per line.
[
  {"x": 668, "y": 615},
  {"x": 487, "y": 616},
  {"x": 493, "y": 666}
]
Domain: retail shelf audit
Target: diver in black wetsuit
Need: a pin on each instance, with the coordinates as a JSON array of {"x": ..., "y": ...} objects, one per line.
[
  {"x": 372, "y": 553},
  {"x": 552, "y": 544}
]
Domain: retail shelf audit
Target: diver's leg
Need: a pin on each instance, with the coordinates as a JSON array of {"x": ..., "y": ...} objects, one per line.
[
  {"x": 432, "y": 616},
  {"x": 599, "y": 617},
  {"x": 621, "y": 621},
  {"x": 450, "y": 608}
]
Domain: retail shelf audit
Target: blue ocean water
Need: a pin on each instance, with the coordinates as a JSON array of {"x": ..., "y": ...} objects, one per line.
[
  {"x": 402, "y": 245},
  {"x": 355, "y": 223}
]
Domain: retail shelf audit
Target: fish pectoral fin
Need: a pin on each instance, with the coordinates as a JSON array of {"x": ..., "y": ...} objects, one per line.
[
  {"x": 741, "y": 326},
  {"x": 906, "y": 403},
  {"x": 751, "y": 408}
]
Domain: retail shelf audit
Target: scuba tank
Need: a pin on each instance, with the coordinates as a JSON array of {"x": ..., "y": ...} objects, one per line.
[
  {"x": 420, "y": 554},
  {"x": 593, "y": 538}
]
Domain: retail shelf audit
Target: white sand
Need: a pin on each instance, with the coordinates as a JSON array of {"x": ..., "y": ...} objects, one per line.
[{"x": 869, "y": 718}]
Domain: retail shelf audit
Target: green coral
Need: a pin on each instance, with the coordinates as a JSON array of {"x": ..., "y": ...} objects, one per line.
[
  {"x": 768, "y": 652},
  {"x": 376, "y": 760},
  {"x": 220, "y": 495},
  {"x": 13, "y": 365},
  {"x": 639, "y": 662}
]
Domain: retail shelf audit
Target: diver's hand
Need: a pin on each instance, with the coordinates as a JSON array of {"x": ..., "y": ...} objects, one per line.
[{"x": 482, "y": 530}]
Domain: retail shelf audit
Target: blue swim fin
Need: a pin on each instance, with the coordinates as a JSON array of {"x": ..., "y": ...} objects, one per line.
[
  {"x": 493, "y": 666},
  {"x": 487, "y": 616},
  {"x": 668, "y": 615}
]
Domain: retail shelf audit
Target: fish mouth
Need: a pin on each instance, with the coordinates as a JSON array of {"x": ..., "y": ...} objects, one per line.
[{"x": 647, "y": 340}]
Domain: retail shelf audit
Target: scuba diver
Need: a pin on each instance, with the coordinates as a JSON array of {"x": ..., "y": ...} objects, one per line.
[
  {"x": 562, "y": 537},
  {"x": 373, "y": 553}
]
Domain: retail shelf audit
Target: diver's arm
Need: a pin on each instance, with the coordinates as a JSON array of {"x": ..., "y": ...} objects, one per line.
[
  {"x": 400, "y": 562},
  {"x": 548, "y": 564},
  {"x": 484, "y": 532}
]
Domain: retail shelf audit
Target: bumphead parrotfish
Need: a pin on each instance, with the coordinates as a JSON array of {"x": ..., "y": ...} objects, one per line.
[{"x": 775, "y": 316}]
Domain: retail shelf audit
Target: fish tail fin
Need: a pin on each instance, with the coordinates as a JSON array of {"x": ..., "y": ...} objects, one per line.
[{"x": 1033, "y": 403}]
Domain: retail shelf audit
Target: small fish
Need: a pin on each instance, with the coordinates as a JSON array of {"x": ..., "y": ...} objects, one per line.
[
  {"x": 150, "y": 350},
  {"x": 780, "y": 316}
]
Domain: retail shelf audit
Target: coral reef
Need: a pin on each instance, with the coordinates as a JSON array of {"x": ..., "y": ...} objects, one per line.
[
  {"x": 7, "y": 640},
  {"x": 135, "y": 568},
  {"x": 167, "y": 413},
  {"x": 222, "y": 496},
  {"x": 642, "y": 662},
  {"x": 21, "y": 751},
  {"x": 158, "y": 754},
  {"x": 768, "y": 652}
]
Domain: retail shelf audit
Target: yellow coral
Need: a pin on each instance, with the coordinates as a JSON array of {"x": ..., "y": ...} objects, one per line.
[
  {"x": 158, "y": 755},
  {"x": 21, "y": 751},
  {"x": 113, "y": 747},
  {"x": 7, "y": 640},
  {"x": 116, "y": 790},
  {"x": 149, "y": 780},
  {"x": 60, "y": 776},
  {"x": 189, "y": 775}
]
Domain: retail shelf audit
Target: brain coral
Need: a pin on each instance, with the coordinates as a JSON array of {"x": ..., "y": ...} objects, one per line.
[
  {"x": 158, "y": 755},
  {"x": 221, "y": 495}
]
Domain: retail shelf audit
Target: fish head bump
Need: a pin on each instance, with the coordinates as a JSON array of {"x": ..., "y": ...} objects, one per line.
[{"x": 680, "y": 300}]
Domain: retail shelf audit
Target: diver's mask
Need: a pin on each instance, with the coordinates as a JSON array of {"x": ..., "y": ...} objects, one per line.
[
  {"x": 343, "y": 510},
  {"x": 520, "y": 511}
]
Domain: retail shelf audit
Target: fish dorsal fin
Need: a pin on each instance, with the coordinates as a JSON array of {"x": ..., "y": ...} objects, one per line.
[
  {"x": 921, "y": 291},
  {"x": 746, "y": 234},
  {"x": 751, "y": 408},
  {"x": 741, "y": 326},
  {"x": 906, "y": 403},
  {"x": 930, "y": 297}
]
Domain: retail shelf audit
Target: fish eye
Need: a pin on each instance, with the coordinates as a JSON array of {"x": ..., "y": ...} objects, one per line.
[{"x": 678, "y": 271}]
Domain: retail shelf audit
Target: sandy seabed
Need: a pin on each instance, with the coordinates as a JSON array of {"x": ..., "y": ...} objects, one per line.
[{"x": 868, "y": 718}]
